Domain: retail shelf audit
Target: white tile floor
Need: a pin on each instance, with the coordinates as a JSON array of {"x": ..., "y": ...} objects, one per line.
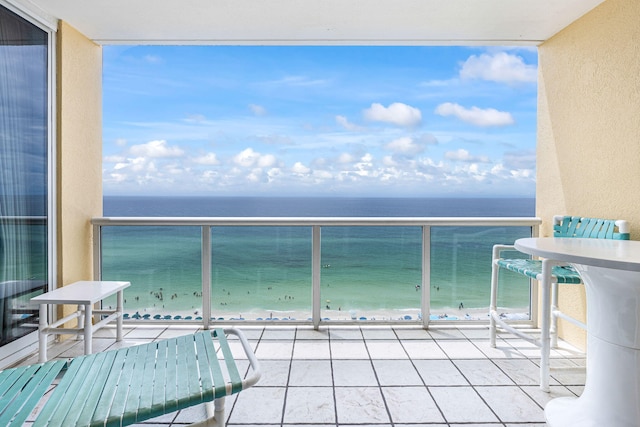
[{"x": 378, "y": 376}]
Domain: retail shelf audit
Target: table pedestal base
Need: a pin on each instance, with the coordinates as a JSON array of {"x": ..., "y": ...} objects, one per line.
[
  {"x": 610, "y": 397},
  {"x": 611, "y": 394}
]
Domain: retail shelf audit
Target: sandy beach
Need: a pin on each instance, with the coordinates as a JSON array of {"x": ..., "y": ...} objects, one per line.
[{"x": 330, "y": 315}]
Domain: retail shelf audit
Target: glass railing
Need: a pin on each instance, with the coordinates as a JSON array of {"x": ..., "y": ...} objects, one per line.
[{"x": 310, "y": 270}]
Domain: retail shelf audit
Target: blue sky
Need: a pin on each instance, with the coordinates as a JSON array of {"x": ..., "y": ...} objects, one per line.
[{"x": 319, "y": 121}]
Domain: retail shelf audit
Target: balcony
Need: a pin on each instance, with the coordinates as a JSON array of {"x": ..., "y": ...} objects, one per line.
[
  {"x": 377, "y": 375},
  {"x": 327, "y": 372}
]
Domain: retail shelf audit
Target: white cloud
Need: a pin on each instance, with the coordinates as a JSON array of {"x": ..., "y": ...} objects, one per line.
[
  {"x": 397, "y": 113},
  {"x": 258, "y": 110},
  {"x": 207, "y": 159},
  {"x": 523, "y": 159},
  {"x": 345, "y": 158},
  {"x": 388, "y": 161},
  {"x": 463, "y": 155},
  {"x": 499, "y": 67},
  {"x": 246, "y": 157},
  {"x": 121, "y": 142},
  {"x": 475, "y": 116},
  {"x": 345, "y": 123},
  {"x": 404, "y": 145},
  {"x": 299, "y": 168},
  {"x": 114, "y": 159},
  {"x": 266, "y": 161},
  {"x": 158, "y": 148},
  {"x": 249, "y": 158},
  {"x": 427, "y": 139}
]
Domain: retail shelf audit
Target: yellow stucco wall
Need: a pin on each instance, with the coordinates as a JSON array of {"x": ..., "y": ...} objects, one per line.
[
  {"x": 79, "y": 151},
  {"x": 588, "y": 150}
]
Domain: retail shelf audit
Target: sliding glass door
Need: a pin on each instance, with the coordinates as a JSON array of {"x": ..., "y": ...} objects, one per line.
[{"x": 24, "y": 172}]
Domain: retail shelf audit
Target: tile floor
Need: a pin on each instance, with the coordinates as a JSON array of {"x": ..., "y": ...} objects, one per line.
[{"x": 377, "y": 376}]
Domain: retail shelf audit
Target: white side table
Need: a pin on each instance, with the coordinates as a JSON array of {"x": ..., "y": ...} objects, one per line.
[{"x": 83, "y": 294}]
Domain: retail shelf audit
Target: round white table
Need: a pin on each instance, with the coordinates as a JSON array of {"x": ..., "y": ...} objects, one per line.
[{"x": 610, "y": 270}]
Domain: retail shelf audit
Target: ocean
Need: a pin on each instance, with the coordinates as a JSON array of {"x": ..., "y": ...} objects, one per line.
[{"x": 265, "y": 272}]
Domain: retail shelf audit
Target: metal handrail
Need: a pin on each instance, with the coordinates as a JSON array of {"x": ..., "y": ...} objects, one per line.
[{"x": 321, "y": 221}]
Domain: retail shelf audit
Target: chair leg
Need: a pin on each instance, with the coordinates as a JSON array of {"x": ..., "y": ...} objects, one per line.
[
  {"x": 553, "y": 332},
  {"x": 215, "y": 414},
  {"x": 545, "y": 350}
]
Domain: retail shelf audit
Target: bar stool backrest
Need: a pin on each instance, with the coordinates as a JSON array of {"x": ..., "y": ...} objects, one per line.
[{"x": 595, "y": 228}]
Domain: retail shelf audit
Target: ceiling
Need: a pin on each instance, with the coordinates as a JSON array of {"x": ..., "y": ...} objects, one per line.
[{"x": 318, "y": 22}]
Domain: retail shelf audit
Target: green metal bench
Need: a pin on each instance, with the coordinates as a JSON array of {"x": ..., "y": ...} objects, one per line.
[
  {"x": 563, "y": 227},
  {"x": 130, "y": 385}
]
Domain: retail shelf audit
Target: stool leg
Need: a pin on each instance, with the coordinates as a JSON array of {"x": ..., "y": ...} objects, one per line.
[
  {"x": 545, "y": 350},
  {"x": 553, "y": 333}
]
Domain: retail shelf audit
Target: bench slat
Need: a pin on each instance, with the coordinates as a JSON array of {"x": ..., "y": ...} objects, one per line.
[
  {"x": 145, "y": 353},
  {"x": 234, "y": 375},
  {"x": 151, "y": 377},
  {"x": 182, "y": 367},
  {"x": 214, "y": 365},
  {"x": 69, "y": 411},
  {"x": 27, "y": 398},
  {"x": 97, "y": 380},
  {"x": 171, "y": 391},
  {"x": 203, "y": 367},
  {"x": 195, "y": 385},
  {"x": 161, "y": 384},
  {"x": 111, "y": 386},
  {"x": 120, "y": 399}
]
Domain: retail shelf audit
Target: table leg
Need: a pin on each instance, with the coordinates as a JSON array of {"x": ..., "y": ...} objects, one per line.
[
  {"x": 119, "y": 309},
  {"x": 545, "y": 342},
  {"x": 42, "y": 336},
  {"x": 81, "y": 318},
  {"x": 612, "y": 392},
  {"x": 88, "y": 328}
]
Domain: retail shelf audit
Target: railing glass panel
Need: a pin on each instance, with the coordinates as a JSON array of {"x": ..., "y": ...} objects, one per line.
[
  {"x": 371, "y": 273},
  {"x": 163, "y": 265},
  {"x": 461, "y": 273},
  {"x": 261, "y": 273}
]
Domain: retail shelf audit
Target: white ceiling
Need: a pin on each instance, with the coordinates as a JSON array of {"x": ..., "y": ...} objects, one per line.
[{"x": 330, "y": 22}]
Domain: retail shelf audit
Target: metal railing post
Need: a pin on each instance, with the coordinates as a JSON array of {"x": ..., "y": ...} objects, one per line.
[
  {"x": 206, "y": 275},
  {"x": 425, "y": 303},
  {"x": 315, "y": 276},
  {"x": 97, "y": 252}
]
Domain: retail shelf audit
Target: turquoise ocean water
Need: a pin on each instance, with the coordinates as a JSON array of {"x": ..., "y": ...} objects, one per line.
[{"x": 261, "y": 272}]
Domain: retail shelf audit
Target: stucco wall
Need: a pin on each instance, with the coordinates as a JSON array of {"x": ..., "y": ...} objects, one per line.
[
  {"x": 588, "y": 150},
  {"x": 79, "y": 151}
]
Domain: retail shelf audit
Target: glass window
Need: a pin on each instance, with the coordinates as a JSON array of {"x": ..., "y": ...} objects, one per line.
[{"x": 23, "y": 173}]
